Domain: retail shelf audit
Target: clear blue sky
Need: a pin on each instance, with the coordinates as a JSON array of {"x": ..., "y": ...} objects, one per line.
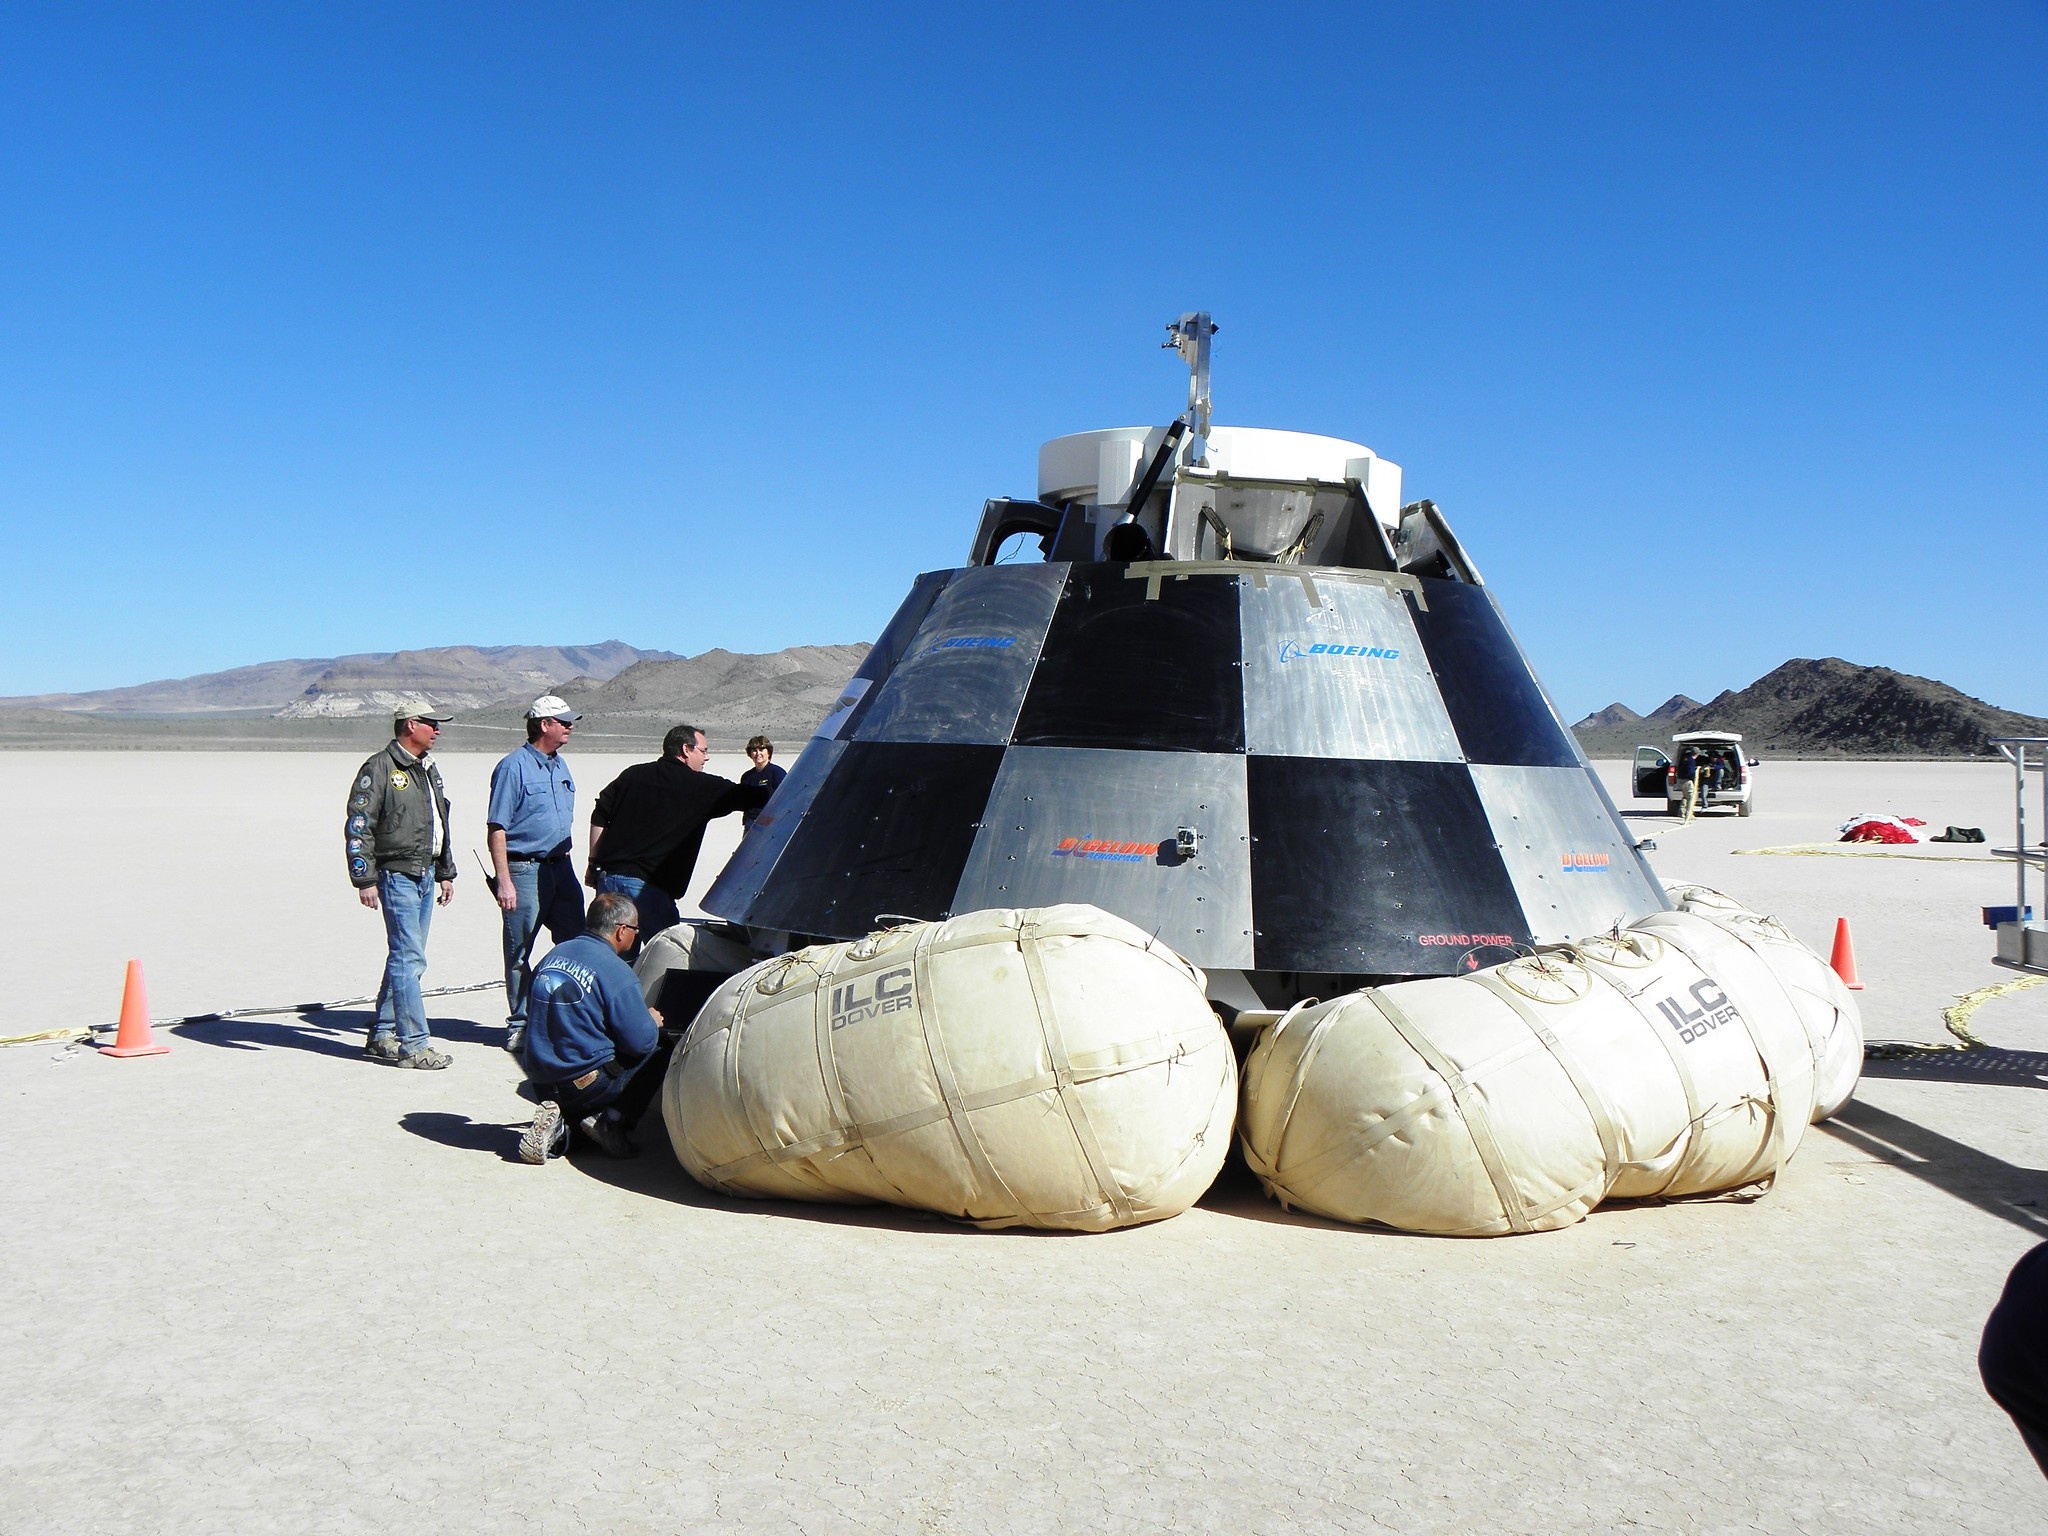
[{"x": 1717, "y": 331}]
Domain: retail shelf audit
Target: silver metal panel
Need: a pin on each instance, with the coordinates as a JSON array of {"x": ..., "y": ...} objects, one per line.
[
  {"x": 1574, "y": 866},
  {"x": 1334, "y": 668},
  {"x": 738, "y": 886},
  {"x": 1073, "y": 824},
  {"x": 962, "y": 678}
]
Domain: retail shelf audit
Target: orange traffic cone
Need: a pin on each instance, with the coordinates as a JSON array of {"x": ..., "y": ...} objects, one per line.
[
  {"x": 134, "y": 1037},
  {"x": 1844, "y": 957}
]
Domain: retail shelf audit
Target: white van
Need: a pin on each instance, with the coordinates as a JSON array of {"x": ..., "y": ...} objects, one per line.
[{"x": 1715, "y": 764}]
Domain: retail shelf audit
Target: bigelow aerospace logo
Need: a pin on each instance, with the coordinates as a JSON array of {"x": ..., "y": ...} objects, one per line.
[
  {"x": 1291, "y": 651},
  {"x": 1574, "y": 862},
  {"x": 1103, "y": 848},
  {"x": 889, "y": 992}
]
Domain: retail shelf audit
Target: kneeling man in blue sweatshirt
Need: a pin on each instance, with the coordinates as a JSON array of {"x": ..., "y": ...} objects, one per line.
[{"x": 593, "y": 1048}]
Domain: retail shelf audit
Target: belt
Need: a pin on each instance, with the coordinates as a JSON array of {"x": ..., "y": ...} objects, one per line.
[
  {"x": 578, "y": 1083},
  {"x": 536, "y": 858}
]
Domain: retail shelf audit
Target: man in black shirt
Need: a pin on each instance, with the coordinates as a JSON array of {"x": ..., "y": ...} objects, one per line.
[{"x": 649, "y": 824}]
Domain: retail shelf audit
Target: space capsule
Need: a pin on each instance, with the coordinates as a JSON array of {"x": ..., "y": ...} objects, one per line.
[{"x": 1240, "y": 695}]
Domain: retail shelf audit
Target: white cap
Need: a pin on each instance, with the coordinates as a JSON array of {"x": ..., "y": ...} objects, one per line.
[{"x": 551, "y": 707}]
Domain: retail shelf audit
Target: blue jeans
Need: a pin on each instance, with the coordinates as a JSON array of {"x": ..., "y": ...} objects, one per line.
[
  {"x": 548, "y": 895},
  {"x": 657, "y": 907},
  {"x": 629, "y": 1090},
  {"x": 407, "y": 902}
]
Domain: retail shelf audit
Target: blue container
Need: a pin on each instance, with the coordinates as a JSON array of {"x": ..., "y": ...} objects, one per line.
[{"x": 1993, "y": 916}]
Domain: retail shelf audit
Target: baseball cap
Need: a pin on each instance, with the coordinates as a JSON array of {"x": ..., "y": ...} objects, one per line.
[
  {"x": 424, "y": 711},
  {"x": 551, "y": 707}
]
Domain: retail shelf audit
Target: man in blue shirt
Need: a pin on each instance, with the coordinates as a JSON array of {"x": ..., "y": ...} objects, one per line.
[
  {"x": 592, "y": 1049},
  {"x": 533, "y": 806}
]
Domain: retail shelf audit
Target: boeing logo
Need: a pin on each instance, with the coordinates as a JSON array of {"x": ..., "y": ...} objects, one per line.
[
  {"x": 1289, "y": 651},
  {"x": 975, "y": 642},
  {"x": 1099, "y": 848}
]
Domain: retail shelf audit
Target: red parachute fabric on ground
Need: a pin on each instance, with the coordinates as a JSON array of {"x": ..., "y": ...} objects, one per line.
[{"x": 1878, "y": 832}]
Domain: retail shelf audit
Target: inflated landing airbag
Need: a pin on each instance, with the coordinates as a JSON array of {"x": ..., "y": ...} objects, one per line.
[
  {"x": 1681, "y": 1056},
  {"x": 1047, "y": 1068}
]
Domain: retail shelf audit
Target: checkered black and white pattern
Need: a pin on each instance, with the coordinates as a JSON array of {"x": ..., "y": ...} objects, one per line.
[{"x": 1370, "y": 776}]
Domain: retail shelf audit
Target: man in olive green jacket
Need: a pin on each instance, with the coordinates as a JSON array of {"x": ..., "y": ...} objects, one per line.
[{"x": 400, "y": 861}]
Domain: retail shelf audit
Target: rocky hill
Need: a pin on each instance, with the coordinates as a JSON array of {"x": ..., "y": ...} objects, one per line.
[
  {"x": 782, "y": 695},
  {"x": 1825, "y": 708},
  {"x": 343, "y": 687},
  {"x": 1621, "y": 717}
]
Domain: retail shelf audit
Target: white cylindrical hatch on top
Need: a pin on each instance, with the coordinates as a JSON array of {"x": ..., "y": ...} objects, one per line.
[{"x": 1099, "y": 468}]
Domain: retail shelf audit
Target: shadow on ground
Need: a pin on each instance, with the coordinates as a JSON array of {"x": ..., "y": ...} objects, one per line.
[
  {"x": 2001, "y": 1189},
  {"x": 1989, "y": 1064},
  {"x": 464, "y": 1134},
  {"x": 656, "y": 1174},
  {"x": 323, "y": 1031}
]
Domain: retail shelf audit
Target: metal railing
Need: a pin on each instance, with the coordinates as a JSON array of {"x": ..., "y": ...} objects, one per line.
[{"x": 2024, "y": 753}]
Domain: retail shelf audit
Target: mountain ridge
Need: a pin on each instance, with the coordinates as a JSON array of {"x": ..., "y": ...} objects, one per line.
[
  {"x": 449, "y": 676},
  {"x": 1826, "y": 707}
]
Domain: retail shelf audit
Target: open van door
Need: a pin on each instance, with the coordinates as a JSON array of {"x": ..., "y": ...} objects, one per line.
[{"x": 1653, "y": 771}]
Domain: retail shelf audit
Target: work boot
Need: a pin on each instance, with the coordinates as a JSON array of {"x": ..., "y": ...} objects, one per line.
[
  {"x": 381, "y": 1048},
  {"x": 547, "y": 1137},
  {"x": 607, "y": 1135},
  {"x": 427, "y": 1059}
]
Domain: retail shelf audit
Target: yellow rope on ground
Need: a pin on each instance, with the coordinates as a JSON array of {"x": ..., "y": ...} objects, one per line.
[
  {"x": 1957, "y": 1015},
  {"x": 77, "y": 1031},
  {"x": 1956, "y": 1018},
  {"x": 1866, "y": 851}
]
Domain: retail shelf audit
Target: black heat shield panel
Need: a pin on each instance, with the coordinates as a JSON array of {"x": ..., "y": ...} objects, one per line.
[
  {"x": 889, "y": 647},
  {"x": 682, "y": 995},
  {"x": 888, "y": 833},
  {"x": 1121, "y": 670},
  {"x": 1494, "y": 700},
  {"x": 1382, "y": 867}
]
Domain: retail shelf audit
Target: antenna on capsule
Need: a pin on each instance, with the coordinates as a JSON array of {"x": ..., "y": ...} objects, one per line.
[{"x": 1189, "y": 336}]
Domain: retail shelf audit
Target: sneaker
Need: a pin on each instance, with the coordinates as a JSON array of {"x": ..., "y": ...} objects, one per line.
[
  {"x": 382, "y": 1048},
  {"x": 607, "y": 1135},
  {"x": 514, "y": 1038},
  {"x": 427, "y": 1060},
  {"x": 547, "y": 1137}
]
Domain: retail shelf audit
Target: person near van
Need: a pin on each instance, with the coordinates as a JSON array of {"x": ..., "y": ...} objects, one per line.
[
  {"x": 401, "y": 862},
  {"x": 1688, "y": 781}
]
